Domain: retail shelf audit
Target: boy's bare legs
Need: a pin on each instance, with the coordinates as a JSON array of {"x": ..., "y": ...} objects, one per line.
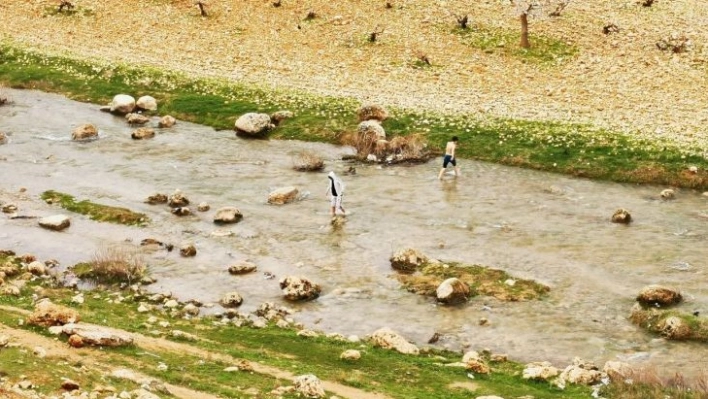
[
  {"x": 457, "y": 170},
  {"x": 440, "y": 175}
]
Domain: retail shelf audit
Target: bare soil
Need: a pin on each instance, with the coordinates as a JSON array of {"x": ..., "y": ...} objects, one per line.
[{"x": 619, "y": 80}]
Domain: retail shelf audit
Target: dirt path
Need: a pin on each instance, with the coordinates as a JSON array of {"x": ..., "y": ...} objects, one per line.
[{"x": 61, "y": 350}]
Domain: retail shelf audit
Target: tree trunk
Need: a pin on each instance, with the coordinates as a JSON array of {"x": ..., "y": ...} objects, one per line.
[{"x": 525, "y": 31}]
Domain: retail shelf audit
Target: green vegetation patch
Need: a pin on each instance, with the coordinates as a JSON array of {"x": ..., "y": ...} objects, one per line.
[
  {"x": 67, "y": 9},
  {"x": 544, "y": 50},
  {"x": 481, "y": 280},
  {"x": 671, "y": 324},
  {"x": 97, "y": 212},
  {"x": 570, "y": 148},
  {"x": 48, "y": 374}
]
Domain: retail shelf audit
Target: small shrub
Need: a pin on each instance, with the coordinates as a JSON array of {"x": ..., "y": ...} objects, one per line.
[{"x": 115, "y": 264}]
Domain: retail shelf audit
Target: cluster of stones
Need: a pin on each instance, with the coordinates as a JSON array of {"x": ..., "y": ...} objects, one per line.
[
  {"x": 16, "y": 271},
  {"x": 64, "y": 320},
  {"x": 134, "y": 112},
  {"x": 650, "y": 311},
  {"x": 451, "y": 291}
]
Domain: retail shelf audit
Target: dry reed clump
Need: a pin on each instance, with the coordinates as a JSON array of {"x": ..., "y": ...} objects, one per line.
[
  {"x": 3, "y": 97},
  {"x": 363, "y": 144},
  {"x": 306, "y": 161},
  {"x": 371, "y": 112},
  {"x": 117, "y": 264},
  {"x": 408, "y": 148},
  {"x": 647, "y": 383},
  {"x": 412, "y": 148}
]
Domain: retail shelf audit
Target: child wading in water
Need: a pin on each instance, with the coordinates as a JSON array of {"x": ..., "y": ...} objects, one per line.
[
  {"x": 336, "y": 190},
  {"x": 450, "y": 157}
]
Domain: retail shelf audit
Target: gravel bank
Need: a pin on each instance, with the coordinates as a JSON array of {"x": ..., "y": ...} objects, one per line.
[{"x": 620, "y": 81}]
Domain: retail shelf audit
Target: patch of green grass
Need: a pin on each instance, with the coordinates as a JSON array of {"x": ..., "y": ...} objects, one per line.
[
  {"x": 76, "y": 10},
  {"x": 378, "y": 370},
  {"x": 48, "y": 374},
  {"x": 481, "y": 280},
  {"x": 672, "y": 324},
  {"x": 570, "y": 148},
  {"x": 97, "y": 212},
  {"x": 544, "y": 50}
]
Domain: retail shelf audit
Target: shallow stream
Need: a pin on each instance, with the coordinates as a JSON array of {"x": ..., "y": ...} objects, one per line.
[{"x": 542, "y": 226}]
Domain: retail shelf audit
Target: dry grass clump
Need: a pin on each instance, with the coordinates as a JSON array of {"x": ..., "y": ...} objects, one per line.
[
  {"x": 646, "y": 383},
  {"x": 408, "y": 148},
  {"x": 114, "y": 264},
  {"x": 306, "y": 161},
  {"x": 3, "y": 97},
  {"x": 412, "y": 148},
  {"x": 371, "y": 112}
]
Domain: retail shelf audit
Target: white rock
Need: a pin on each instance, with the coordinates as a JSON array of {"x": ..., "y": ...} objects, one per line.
[
  {"x": 122, "y": 104},
  {"x": 56, "y": 222},
  {"x": 147, "y": 103}
]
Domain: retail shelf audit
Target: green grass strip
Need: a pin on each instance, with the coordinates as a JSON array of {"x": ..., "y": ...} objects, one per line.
[
  {"x": 569, "y": 148},
  {"x": 97, "y": 212}
]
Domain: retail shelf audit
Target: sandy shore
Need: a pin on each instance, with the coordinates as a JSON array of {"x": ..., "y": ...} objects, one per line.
[{"x": 620, "y": 81}]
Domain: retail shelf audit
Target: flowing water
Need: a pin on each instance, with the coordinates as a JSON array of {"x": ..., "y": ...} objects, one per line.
[{"x": 541, "y": 226}]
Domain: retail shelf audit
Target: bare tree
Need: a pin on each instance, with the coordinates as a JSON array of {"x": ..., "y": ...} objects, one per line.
[
  {"x": 202, "y": 8},
  {"x": 373, "y": 36},
  {"x": 559, "y": 8},
  {"x": 422, "y": 57},
  {"x": 65, "y": 3},
  {"x": 462, "y": 20},
  {"x": 610, "y": 28},
  {"x": 533, "y": 8}
]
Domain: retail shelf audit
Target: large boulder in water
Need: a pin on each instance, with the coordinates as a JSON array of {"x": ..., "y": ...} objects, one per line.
[
  {"x": 408, "y": 260},
  {"x": 253, "y": 124},
  {"x": 452, "y": 291},
  {"x": 167, "y": 121},
  {"x": 177, "y": 199},
  {"x": 136, "y": 119},
  {"x": 299, "y": 289},
  {"x": 283, "y": 195},
  {"x": 56, "y": 222},
  {"x": 228, "y": 214},
  {"x": 85, "y": 132},
  {"x": 657, "y": 295},
  {"x": 231, "y": 300},
  {"x": 147, "y": 103},
  {"x": 143, "y": 133},
  {"x": 122, "y": 104},
  {"x": 621, "y": 216}
]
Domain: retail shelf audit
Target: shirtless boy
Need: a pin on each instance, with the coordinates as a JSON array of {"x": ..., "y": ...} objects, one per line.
[{"x": 450, "y": 157}]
